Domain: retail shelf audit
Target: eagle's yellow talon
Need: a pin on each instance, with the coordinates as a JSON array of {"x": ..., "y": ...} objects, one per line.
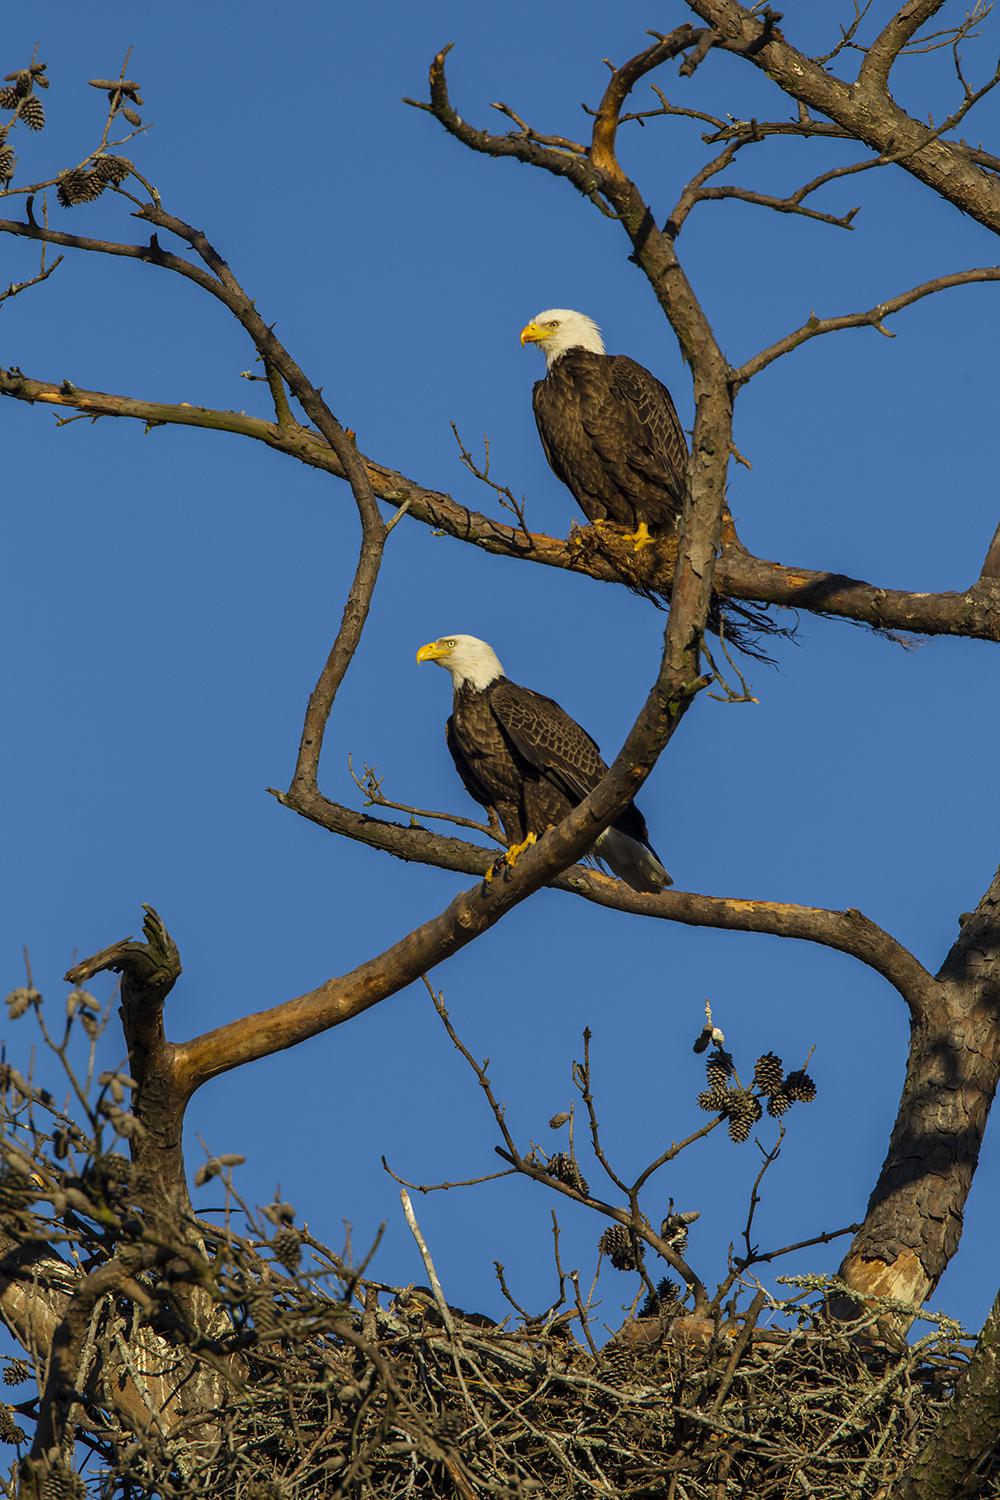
[
  {"x": 640, "y": 537},
  {"x": 516, "y": 850},
  {"x": 509, "y": 858}
]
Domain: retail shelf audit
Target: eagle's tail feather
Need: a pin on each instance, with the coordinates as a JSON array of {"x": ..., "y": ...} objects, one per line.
[{"x": 635, "y": 863}]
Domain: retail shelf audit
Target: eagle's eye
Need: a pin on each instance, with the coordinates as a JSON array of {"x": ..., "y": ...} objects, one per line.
[
  {"x": 449, "y": 644},
  {"x": 554, "y": 323}
]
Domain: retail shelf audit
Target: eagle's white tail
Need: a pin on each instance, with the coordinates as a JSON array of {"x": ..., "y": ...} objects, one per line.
[{"x": 631, "y": 861}]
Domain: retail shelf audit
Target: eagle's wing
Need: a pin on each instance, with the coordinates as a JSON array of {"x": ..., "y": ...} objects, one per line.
[
  {"x": 470, "y": 780},
  {"x": 546, "y": 737},
  {"x": 659, "y": 451},
  {"x": 541, "y": 405}
]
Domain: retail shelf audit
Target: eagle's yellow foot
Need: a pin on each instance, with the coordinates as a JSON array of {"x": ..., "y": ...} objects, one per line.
[
  {"x": 640, "y": 537},
  {"x": 508, "y": 860},
  {"x": 516, "y": 850}
]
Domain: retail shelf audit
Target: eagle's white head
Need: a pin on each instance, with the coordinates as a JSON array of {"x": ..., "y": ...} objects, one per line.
[
  {"x": 468, "y": 659},
  {"x": 560, "y": 328}
]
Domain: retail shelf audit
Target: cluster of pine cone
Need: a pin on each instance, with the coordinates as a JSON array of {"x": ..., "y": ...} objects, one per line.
[
  {"x": 20, "y": 99},
  {"x": 725, "y": 1094}
]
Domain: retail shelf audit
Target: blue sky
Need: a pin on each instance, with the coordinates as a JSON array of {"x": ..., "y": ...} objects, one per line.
[{"x": 169, "y": 599}]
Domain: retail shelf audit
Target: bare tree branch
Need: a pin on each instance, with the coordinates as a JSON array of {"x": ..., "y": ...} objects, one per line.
[{"x": 873, "y": 318}]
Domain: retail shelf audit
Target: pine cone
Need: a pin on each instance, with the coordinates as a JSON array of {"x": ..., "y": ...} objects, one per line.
[
  {"x": 9, "y": 98},
  {"x": 744, "y": 1112},
  {"x": 18, "y": 1001},
  {"x": 7, "y": 163},
  {"x": 79, "y": 187},
  {"x": 720, "y": 1058},
  {"x": 9, "y": 1430},
  {"x": 799, "y": 1087},
  {"x": 778, "y": 1104},
  {"x": 616, "y": 1244},
  {"x": 113, "y": 169},
  {"x": 33, "y": 113},
  {"x": 62, "y": 1484},
  {"x": 23, "y": 83},
  {"x": 566, "y": 1170},
  {"x": 713, "y": 1099},
  {"x": 615, "y": 1364},
  {"x": 17, "y": 1372},
  {"x": 287, "y": 1247},
  {"x": 266, "y": 1315},
  {"x": 717, "y": 1078},
  {"x": 768, "y": 1073},
  {"x": 666, "y": 1302}
]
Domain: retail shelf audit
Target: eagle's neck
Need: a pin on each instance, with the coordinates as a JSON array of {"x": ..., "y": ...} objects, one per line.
[
  {"x": 588, "y": 339},
  {"x": 476, "y": 673}
]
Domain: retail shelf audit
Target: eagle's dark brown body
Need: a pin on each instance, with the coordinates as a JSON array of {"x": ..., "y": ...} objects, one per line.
[
  {"x": 611, "y": 434},
  {"x": 521, "y": 754}
]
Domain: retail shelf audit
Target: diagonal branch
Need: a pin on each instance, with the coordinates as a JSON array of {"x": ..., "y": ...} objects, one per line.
[
  {"x": 873, "y": 318},
  {"x": 891, "y": 40}
]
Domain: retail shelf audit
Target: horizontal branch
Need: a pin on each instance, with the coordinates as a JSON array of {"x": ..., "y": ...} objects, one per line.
[
  {"x": 974, "y": 612},
  {"x": 848, "y": 932}
]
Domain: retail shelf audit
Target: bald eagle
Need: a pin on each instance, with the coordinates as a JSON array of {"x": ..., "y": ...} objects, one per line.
[
  {"x": 523, "y": 757},
  {"x": 608, "y": 427}
]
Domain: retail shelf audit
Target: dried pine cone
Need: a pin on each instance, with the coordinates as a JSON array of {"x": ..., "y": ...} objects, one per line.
[
  {"x": 132, "y": 116},
  {"x": 713, "y": 1099},
  {"x": 113, "y": 169},
  {"x": 79, "y": 187},
  {"x": 9, "y": 98},
  {"x": 23, "y": 82},
  {"x": 777, "y": 1105},
  {"x": 33, "y": 113},
  {"x": 9, "y": 1430},
  {"x": 267, "y": 1315},
  {"x": 19, "y": 1000},
  {"x": 799, "y": 1087},
  {"x": 717, "y": 1078},
  {"x": 287, "y": 1247},
  {"x": 7, "y": 162},
  {"x": 17, "y": 1372},
  {"x": 565, "y": 1168},
  {"x": 616, "y": 1244},
  {"x": 666, "y": 1302},
  {"x": 720, "y": 1058},
  {"x": 744, "y": 1112},
  {"x": 615, "y": 1364},
  {"x": 62, "y": 1484},
  {"x": 768, "y": 1073}
]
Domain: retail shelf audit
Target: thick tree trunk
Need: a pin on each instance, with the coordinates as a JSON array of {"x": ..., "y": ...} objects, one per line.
[
  {"x": 951, "y": 1465},
  {"x": 914, "y": 1218}
]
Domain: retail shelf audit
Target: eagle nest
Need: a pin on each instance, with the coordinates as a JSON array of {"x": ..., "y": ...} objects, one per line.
[{"x": 326, "y": 1384}]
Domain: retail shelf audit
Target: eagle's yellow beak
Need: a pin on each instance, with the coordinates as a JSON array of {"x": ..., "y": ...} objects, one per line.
[
  {"x": 433, "y": 651},
  {"x": 532, "y": 334}
]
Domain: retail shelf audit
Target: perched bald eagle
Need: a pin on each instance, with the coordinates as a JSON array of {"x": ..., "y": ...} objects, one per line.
[
  {"x": 608, "y": 427},
  {"x": 525, "y": 759}
]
